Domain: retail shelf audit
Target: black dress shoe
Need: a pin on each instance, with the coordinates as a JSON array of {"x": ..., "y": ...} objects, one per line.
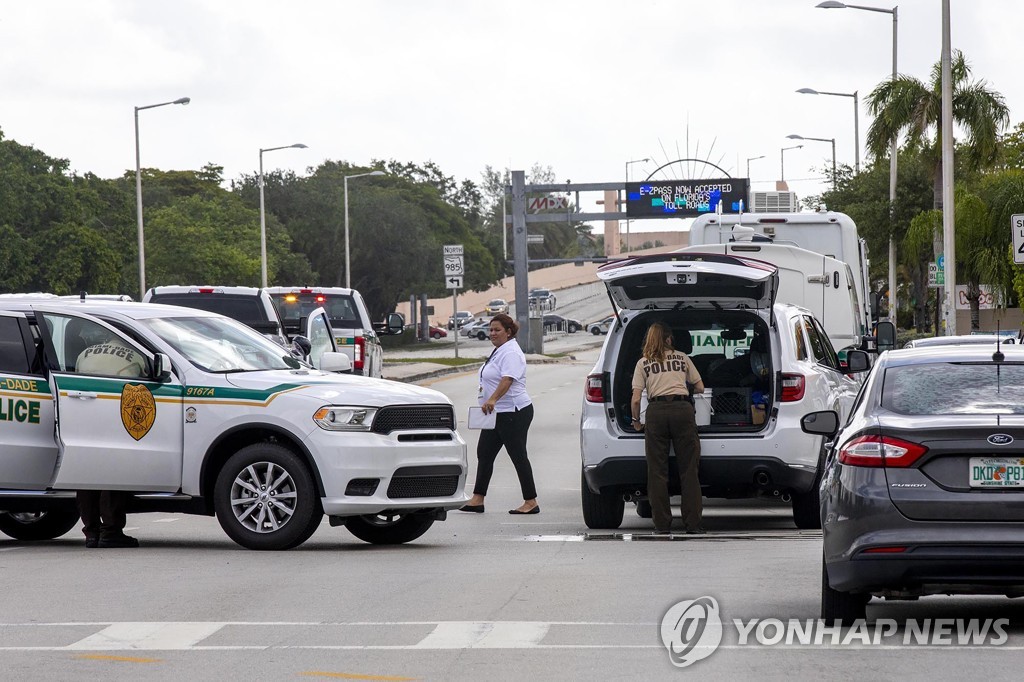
[
  {"x": 475, "y": 508},
  {"x": 535, "y": 510},
  {"x": 696, "y": 531},
  {"x": 119, "y": 541},
  {"x": 92, "y": 541}
]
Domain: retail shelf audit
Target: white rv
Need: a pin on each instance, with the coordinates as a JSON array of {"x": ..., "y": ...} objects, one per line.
[
  {"x": 829, "y": 233},
  {"x": 822, "y": 284}
]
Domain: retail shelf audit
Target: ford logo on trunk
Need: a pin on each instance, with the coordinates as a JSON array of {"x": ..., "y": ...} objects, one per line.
[{"x": 1000, "y": 439}]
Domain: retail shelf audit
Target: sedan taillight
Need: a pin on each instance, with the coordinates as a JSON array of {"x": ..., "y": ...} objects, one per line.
[
  {"x": 595, "y": 388},
  {"x": 881, "y": 451}
]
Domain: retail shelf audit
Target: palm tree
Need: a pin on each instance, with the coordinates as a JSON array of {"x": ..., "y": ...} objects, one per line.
[{"x": 906, "y": 105}]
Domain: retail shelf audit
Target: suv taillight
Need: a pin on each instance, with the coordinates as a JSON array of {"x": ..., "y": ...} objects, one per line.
[
  {"x": 881, "y": 451},
  {"x": 792, "y": 387},
  {"x": 359, "y": 352},
  {"x": 595, "y": 388}
]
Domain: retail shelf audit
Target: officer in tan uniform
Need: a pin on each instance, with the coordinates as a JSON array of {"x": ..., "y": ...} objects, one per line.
[
  {"x": 104, "y": 511},
  {"x": 671, "y": 380}
]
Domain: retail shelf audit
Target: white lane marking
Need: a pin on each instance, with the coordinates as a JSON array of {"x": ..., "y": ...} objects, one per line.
[
  {"x": 166, "y": 520},
  {"x": 10, "y": 549},
  {"x": 148, "y": 636},
  {"x": 481, "y": 635},
  {"x": 454, "y": 635}
]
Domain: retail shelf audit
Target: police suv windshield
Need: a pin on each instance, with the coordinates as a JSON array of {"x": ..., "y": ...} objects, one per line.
[{"x": 220, "y": 345}]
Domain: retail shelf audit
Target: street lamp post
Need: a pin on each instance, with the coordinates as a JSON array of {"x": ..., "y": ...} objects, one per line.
[
  {"x": 752, "y": 158},
  {"x": 263, "y": 215},
  {"x": 834, "y": 4},
  {"x": 138, "y": 191},
  {"x": 856, "y": 119},
  {"x": 348, "y": 266},
  {"x": 782, "y": 160},
  {"x": 628, "y": 163},
  {"x": 821, "y": 139}
]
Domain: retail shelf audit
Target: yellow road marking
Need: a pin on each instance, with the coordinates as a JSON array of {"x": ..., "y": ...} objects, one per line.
[
  {"x": 124, "y": 659},
  {"x": 352, "y": 676}
]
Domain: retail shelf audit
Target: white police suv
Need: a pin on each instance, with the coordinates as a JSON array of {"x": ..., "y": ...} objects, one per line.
[
  {"x": 223, "y": 422},
  {"x": 764, "y": 365}
]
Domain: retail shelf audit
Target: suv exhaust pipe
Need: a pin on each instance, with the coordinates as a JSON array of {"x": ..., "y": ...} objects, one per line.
[{"x": 763, "y": 479}]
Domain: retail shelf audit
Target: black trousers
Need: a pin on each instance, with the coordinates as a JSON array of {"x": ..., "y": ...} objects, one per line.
[
  {"x": 510, "y": 429},
  {"x": 672, "y": 424},
  {"x": 103, "y": 511}
]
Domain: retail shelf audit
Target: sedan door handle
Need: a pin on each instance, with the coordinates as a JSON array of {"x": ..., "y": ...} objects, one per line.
[{"x": 84, "y": 395}]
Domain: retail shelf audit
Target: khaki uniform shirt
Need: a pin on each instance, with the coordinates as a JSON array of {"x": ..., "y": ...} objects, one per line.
[
  {"x": 665, "y": 378},
  {"x": 111, "y": 359}
]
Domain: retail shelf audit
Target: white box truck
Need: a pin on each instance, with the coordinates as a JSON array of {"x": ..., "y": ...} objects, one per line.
[{"x": 829, "y": 233}]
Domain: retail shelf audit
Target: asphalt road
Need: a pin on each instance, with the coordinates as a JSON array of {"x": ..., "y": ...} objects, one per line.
[{"x": 480, "y": 596}]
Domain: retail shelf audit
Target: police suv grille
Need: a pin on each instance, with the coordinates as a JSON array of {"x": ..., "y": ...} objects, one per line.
[
  {"x": 425, "y": 481},
  {"x": 404, "y": 417}
]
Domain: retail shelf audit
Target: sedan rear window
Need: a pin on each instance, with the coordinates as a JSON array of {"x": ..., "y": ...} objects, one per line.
[{"x": 954, "y": 388}]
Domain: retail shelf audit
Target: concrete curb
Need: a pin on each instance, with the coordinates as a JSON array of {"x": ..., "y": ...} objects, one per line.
[{"x": 443, "y": 370}]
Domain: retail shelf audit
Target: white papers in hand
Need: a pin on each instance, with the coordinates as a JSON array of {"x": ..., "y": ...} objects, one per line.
[{"x": 479, "y": 420}]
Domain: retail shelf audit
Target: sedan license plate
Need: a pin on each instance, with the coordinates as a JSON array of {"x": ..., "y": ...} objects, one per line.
[{"x": 997, "y": 472}]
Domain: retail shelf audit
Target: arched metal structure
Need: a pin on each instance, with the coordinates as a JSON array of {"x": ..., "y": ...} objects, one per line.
[{"x": 650, "y": 176}]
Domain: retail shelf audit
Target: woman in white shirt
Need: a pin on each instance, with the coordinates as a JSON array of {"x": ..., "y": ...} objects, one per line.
[{"x": 503, "y": 391}]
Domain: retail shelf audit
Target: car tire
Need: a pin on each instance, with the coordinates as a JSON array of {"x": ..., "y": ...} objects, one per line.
[
  {"x": 389, "y": 529},
  {"x": 573, "y": 328},
  {"x": 481, "y": 336},
  {"x": 807, "y": 509},
  {"x": 596, "y": 331},
  {"x": 290, "y": 475},
  {"x": 435, "y": 336},
  {"x": 644, "y": 509},
  {"x": 601, "y": 511},
  {"x": 43, "y": 525},
  {"x": 840, "y": 608}
]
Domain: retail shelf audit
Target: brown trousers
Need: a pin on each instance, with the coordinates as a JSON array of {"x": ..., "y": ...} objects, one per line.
[{"x": 672, "y": 424}]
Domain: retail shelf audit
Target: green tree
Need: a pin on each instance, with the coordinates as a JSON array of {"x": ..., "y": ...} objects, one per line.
[{"x": 906, "y": 105}]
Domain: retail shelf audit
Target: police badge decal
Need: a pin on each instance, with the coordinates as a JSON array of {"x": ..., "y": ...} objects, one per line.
[{"x": 138, "y": 410}]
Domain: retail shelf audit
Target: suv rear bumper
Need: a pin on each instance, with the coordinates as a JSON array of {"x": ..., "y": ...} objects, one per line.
[{"x": 719, "y": 476}]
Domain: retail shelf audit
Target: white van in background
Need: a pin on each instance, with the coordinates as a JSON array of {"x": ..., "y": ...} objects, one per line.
[
  {"x": 822, "y": 284},
  {"x": 829, "y": 233}
]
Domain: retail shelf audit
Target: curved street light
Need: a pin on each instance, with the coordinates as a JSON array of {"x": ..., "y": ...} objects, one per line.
[
  {"x": 821, "y": 139},
  {"x": 348, "y": 267},
  {"x": 856, "y": 119},
  {"x": 752, "y": 158},
  {"x": 782, "y": 160},
  {"x": 138, "y": 192},
  {"x": 263, "y": 216},
  {"x": 834, "y": 4},
  {"x": 628, "y": 163}
]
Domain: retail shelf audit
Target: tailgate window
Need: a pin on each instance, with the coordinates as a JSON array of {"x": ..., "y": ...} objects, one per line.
[{"x": 341, "y": 309}]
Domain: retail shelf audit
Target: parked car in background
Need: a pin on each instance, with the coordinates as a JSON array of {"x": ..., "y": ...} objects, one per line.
[
  {"x": 437, "y": 332},
  {"x": 357, "y": 336},
  {"x": 960, "y": 340},
  {"x": 478, "y": 329},
  {"x": 601, "y": 326},
  {"x": 542, "y": 298},
  {"x": 249, "y": 305},
  {"x": 462, "y": 317},
  {"x": 923, "y": 490},
  {"x": 497, "y": 305},
  {"x": 559, "y": 323}
]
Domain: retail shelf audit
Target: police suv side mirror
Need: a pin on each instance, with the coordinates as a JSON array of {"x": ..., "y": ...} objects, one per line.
[
  {"x": 857, "y": 361},
  {"x": 161, "y": 367}
]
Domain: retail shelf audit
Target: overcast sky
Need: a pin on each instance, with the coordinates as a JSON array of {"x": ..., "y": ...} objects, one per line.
[{"x": 582, "y": 86}]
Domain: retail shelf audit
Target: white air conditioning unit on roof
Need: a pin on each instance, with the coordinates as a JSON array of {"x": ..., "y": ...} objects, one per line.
[{"x": 774, "y": 202}]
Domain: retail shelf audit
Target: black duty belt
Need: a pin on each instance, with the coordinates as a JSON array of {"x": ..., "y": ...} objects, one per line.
[{"x": 671, "y": 398}]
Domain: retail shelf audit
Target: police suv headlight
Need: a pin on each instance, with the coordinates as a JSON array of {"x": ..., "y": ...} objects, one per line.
[{"x": 344, "y": 418}]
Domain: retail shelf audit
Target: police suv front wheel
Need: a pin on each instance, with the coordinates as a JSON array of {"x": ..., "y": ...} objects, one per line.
[
  {"x": 265, "y": 498},
  {"x": 389, "y": 528},
  {"x": 43, "y": 525}
]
